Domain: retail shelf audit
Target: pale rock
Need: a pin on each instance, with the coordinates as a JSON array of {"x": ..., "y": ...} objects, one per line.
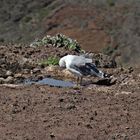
[
  {"x": 1, "y": 80},
  {"x": 26, "y": 71},
  {"x": 10, "y": 85},
  {"x": 9, "y": 73},
  {"x": 123, "y": 92},
  {"x": 18, "y": 75},
  {"x": 9, "y": 79},
  {"x": 113, "y": 80},
  {"x": 24, "y": 60},
  {"x": 67, "y": 73},
  {"x": 35, "y": 70},
  {"x": 51, "y": 68}
]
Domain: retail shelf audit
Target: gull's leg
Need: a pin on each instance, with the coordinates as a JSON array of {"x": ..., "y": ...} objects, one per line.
[
  {"x": 77, "y": 81},
  {"x": 81, "y": 80}
]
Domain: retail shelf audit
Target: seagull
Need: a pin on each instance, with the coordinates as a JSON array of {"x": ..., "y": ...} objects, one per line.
[{"x": 80, "y": 66}]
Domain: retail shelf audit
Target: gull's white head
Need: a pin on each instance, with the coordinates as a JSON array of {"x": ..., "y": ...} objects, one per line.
[{"x": 62, "y": 62}]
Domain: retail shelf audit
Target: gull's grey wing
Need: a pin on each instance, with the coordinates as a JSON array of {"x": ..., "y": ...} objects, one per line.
[
  {"x": 79, "y": 60},
  {"x": 87, "y": 69}
]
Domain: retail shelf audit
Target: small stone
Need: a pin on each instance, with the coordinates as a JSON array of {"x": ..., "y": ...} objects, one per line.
[
  {"x": 113, "y": 80},
  {"x": 61, "y": 100},
  {"x": 18, "y": 75},
  {"x": 35, "y": 70},
  {"x": 126, "y": 92},
  {"x": 66, "y": 73},
  {"x": 23, "y": 60},
  {"x": 89, "y": 126},
  {"x": 51, "y": 68},
  {"x": 1, "y": 80},
  {"x": 76, "y": 87},
  {"x": 9, "y": 79},
  {"x": 52, "y": 135},
  {"x": 9, "y": 73},
  {"x": 70, "y": 106},
  {"x": 127, "y": 127},
  {"x": 26, "y": 71},
  {"x": 26, "y": 62},
  {"x": 130, "y": 69},
  {"x": 42, "y": 89},
  {"x": 13, "y": 86}
]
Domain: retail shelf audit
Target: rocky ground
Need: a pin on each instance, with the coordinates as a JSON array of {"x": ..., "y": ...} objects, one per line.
[{"x": 99, "y": 109}]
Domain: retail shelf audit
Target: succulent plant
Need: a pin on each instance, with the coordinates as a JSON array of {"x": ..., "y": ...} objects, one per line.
[{"x": 59, "y": 40}]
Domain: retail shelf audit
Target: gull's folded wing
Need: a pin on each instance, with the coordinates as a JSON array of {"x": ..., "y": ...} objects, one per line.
[{"x": 88, "y": 69}]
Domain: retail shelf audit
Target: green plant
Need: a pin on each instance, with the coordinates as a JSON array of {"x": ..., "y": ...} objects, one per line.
[
  {"x": 52, "y": 60},
  {"x": 58, "y": 40}
]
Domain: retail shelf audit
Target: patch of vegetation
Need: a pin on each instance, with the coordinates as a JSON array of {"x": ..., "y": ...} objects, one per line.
[
  {"x": 58, "y": 40},
  {"x": 52, "y": 60},
  {"x": 111, "y": 2}
]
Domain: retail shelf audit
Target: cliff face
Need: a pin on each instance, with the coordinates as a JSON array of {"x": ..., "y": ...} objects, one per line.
[{"x": 111, "y": 26}]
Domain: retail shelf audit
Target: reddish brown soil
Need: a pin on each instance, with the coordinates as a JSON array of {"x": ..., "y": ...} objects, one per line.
[
  {"x": 46, "y": 113},
  {"x": 79, "y": 23}
]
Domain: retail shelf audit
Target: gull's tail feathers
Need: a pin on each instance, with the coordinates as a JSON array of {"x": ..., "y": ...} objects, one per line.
[{"x": 95, "y": 71}]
